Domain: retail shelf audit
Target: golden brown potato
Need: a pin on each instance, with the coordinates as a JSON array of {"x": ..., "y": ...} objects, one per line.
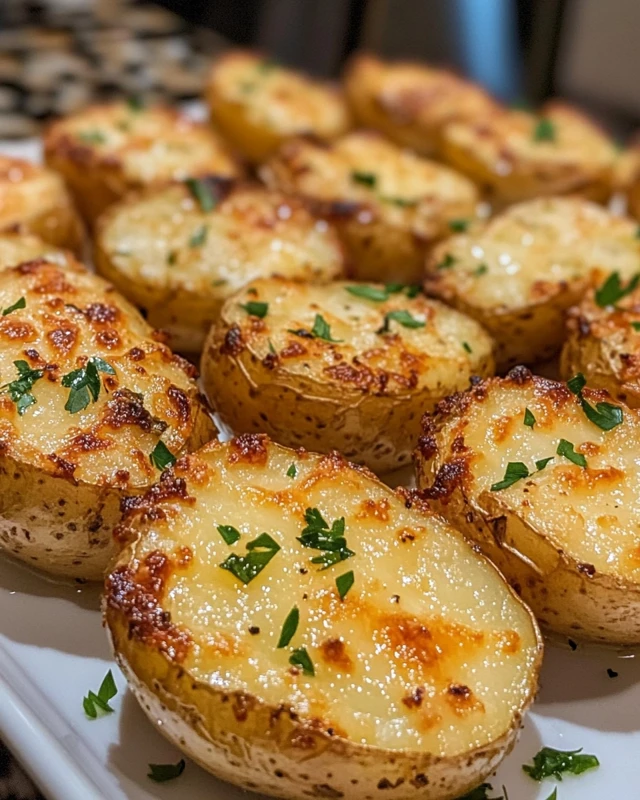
[
  {"x": 180, "y": 257},
  {"x": 258, "y": 104},
  {"x": 105, "y": 151},
  {"x": 604, "y": 340},
  {"x": 345, "y": 366},
  {"x": 34, "y": 199},
  {"x": 411, "y": 103},
  {"x": 91, "y": 406},
  {"x": 388, "y": 204},
  {"x": 406, "y": 664},
  {"x": 545, "y": 479},
  {"x": 516, "y": 155},
  {"x": 520, "y": 274},
  {"x": 16, "y": 248}
]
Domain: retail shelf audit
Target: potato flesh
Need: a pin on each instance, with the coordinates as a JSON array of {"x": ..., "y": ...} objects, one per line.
[
  {"x": 16, "y": 249},
  {"x": 589, "y": 514},
  {"x": 532, "y": 249},
  {"x": 424, "y": 611},
  {"x": 252, "y": 233},
  {"x": 27, "y": 190}
]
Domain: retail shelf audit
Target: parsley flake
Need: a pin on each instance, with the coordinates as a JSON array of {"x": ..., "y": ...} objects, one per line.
[
  {"x": 636, "y": 326},
  {"x": 259, "y": 553},
  {"x": 300, "y": 658},
  {"x": 549, "y": 762},
  {"x": 292, "y": 471},
  {"x": 255, "y": 309},
  {"x": 447, "y": 262},
  {"x": 605, "y": 415},
  {"x": 93, "y": 703},
  {"x": 201, "y": 192},
  {"x": 135, "y": 103},
  {"x": 322, "y": 330},
  {"x": 529, "y": 419},
  {"x": 613, "y": 291},
  {"x": 403, "y": 317},
  {"x": 84, "y": 384},
  {"x": 480, "y": 793},
  {"x": 228, "y": 533},
  {"x": 92, "y": 137},
  {"x": 289, "y": 627},
  {"x": 344, "y": 583},
  {"x": 166, "y": 772},
  {"x": 161, "y": 457},
  {"x": 480, "y": 270},
  {"x": 171, "y": 257},
  {"x": 368, "y": 179},
  {"x": 514, "y": 472},
  {"x": 21, "y": 303},
  {"x": 467, "y": 347},
  {"x": 199, "y": 236},
  {"x": 545, "y": 131},
  {"x": 20, "y": 389},
  {"x": 458, "y": 225},
  {"x": 401, "y": 202},
  {"x": 374, "y": 293},
  {"x": 540, "y": 465},
  {"x": 567, "y": 450},
  {"x": 330, "y": 540}
]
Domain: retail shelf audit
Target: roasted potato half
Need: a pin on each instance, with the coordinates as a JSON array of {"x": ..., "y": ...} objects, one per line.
[
  {"x": 91, "y": 406},
  {"x": 180, "y": 252},
  {"x": 34, "y": 199},
  {"x": 299, "y": 629},
  {"x": 544, "y": 478},
  {"x": 345, "y": 366},
  {"x": 105, "y": 151},
  {"x": 411, "y": 103},
  {"x": 516, "y": 155},
  {"x": 16, "y": 248},
  {"x": 388, "y": 204},
  {"x": 520, "y": 274},
  {"x": 258, "y": 104},
  {"x": 604, "y": 341}
]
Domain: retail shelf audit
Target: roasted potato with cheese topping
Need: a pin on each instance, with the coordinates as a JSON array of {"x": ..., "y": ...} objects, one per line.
[
  {"x": 16, "y": 248},
  {"x": 258, "y": 104},
  {"x": 604, "y": 341},
  {"x": 181, "y": 252},
  {"x": 516, "y": 155},
  {"x": 91, "y": 407},
  {"x": 411, "y": 103},
  {"x": 543, "y": 476},
  {"x": 299, "y": 629},
  {"x": 388, "y": 204},
  {"x": 345, "y": 366},
  {"x": 105, "y": 151},
  {"x": 34, "y": 199},
  {"x": 520, "y": 274}
]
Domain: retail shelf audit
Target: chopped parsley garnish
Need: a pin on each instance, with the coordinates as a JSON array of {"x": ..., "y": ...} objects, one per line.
[
  {"x": 467, "y": 347},
  {"x": 228, "y": 533},
  {"x": 612, "y": 289},
  {"x": 545, "y": 131},
  {"x": 289, "y": 627},
  {"x": 401, "y": 202},
  {"x": 403, "y": 317},
  {"x": 374, "y": 293},
  {"x": 161, "y": 457},
  {"x": 292, "y": 471},
  {"x": 364, "y": 178},
  {"x": 199, "y": 236},
  {"x": 540, "y": 465},
  {"x": 529, "y": 419},
  {"x": 553, "y": 795},
  {"x": 344, "y": 583},
  {"x": 171, "y": 257},
  {"x": 322, "y": 330},
  {"x": 330, "y": 540},
  {"x": 459, "y": 225},
  {"x": 481, "y": 793},
  {"x": 549, "y": 762},
  {"x": 92, "y": 137},
  {"x": 481, "y": 269},
  {"x": 166, "y": 772},
  {"x": 410, "y": 289},
  {"x": 93, "y": 703},
  {"x": 255, "y": 309},
  {"x": 300, "y": 658},
  {"x": 635, "y": 326},
  {"x": 447, "y": 262},
  {"x": 135, "y": 103},
  {"x": 20, "y": 389},
  {"x": 605, "y": 415},
  {"x": 268, "y": 65},
  {"x": 84, "y": 384},
  {"x": 201, "y": 192},
  {"x": 259, "y": 553},
  {"x": 567, "y": 450},
  {"x": 21, "y": 303},
  {"x": 515, "y": 472}
]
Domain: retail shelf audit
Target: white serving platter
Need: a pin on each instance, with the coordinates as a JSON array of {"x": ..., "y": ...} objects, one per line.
[{"x": 53, "y": 650}]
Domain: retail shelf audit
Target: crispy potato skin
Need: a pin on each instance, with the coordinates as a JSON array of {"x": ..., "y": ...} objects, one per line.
[
  {"x": 363, "y": 395},
  {"x": 105, "y": 151},
  {"x": 604, "y": 346},
  {"x": 204, "y": 662},
  {"x": 34, "y": 200},
  {"x": 388, "y": 204},
  {"x": 63, "y": 474},
  {"x": 257, "y": 105},
  {"x": 145, "y": 247},
  {"x": 411, "y": 103},
  {"x": 565, "y": 537},
  {"x": 501, "y": 153},
  {"x": 520, "y": 274}
]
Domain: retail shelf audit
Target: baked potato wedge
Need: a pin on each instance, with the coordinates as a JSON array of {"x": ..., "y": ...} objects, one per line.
[
  {"x": 407, "y": 668},
  {"x": 517, "y": 155},
  {"x": 603, "y": 341},
  {"x": 410, "y": 102},
  {"x": 180, "y": 252},
  {"x": 345, "y": 366},
  {"x": 91, "y": 405},
  {"x": 258, "y": 104},
  {"x": 34, "y": 199},
  {"x": 105, "y": 151},
  {"x": 388, "y": 204},
  {"x": 520, "y": 274},
  {"x": 543, "y": 476}
]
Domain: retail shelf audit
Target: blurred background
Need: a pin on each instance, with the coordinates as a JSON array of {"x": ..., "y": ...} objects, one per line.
[{"x": 58, "y": 55}]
